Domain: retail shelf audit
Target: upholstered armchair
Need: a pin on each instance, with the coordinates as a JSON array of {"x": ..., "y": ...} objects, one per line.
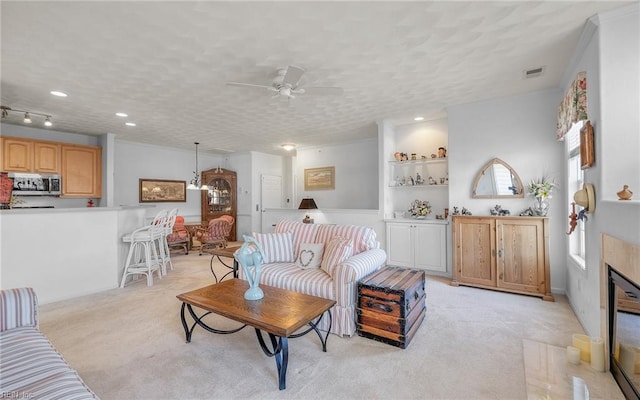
[
  {"x": 216, "y": 233},
  {"x": 180, "y": 236}
]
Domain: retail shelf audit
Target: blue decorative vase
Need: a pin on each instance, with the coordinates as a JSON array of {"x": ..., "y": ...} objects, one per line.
[{"x": 251, "y": 263}]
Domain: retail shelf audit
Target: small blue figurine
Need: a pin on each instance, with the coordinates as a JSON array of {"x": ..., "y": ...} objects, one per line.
[{"x": 251, "y": 262}]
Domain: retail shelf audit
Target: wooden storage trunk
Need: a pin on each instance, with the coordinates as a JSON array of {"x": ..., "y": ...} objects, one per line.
[{"x": 391, "y": 305}]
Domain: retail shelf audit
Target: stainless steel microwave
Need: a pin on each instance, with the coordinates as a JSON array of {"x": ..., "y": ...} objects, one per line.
[{"x": 25, "y": 184}]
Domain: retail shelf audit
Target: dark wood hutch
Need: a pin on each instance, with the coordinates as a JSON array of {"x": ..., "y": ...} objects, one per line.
[{"x": 221, "y": 197}]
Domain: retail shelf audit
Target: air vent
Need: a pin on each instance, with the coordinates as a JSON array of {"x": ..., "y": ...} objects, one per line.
[{"x": 533, "y": 73}]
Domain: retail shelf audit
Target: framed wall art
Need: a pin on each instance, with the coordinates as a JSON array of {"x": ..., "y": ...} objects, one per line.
[
  {"x": 162, "y": 190},
  {"x": 323, "y": 178},
  {"x": 587, "y": 151}
]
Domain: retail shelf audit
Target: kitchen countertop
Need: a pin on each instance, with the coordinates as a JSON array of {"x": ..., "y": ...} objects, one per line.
[{"x": 25, "y": 210}]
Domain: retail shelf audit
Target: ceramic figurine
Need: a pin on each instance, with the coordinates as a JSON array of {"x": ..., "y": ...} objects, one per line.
[
  {"x": 442, "y": 152},
  {"x": 625, "y": 193},
  {"x": 251, "y": 263}
]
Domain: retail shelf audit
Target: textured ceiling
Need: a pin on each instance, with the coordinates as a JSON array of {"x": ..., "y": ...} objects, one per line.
[{"x": 166, "y": 64}]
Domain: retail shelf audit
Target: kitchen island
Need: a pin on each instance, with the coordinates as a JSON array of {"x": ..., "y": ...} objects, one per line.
[{"x": 65, "y": 252}]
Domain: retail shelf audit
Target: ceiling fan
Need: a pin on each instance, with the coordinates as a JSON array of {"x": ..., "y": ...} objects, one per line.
[{"x": 285, "y": 84}]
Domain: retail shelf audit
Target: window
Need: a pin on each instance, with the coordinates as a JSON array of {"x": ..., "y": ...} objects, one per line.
[{"x": 575, "y": 180}]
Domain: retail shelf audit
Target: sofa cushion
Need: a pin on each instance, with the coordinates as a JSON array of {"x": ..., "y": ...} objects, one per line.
[
  {"x": 338, "y": 249},
  {"x": 302, "y": 233},
  {"x": 314, "y": 282},
  {"x": 30, "y": 364},
  {"x": 278, "y": 247},
  {"x": 364, "y": 238},
  {"x": 18, "y": 307},
  {"x": 310, "y": 255}
]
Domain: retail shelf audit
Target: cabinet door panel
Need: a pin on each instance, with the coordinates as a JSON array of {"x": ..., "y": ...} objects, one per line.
[
  {"x": 81, "y": 171},
  {"x": 520, "y": 259},
  {"x": 430, "y": 247},
  {"x": 400, "y": 245},
  {"x": 475, "y": 244},
  {"x": 47, "y": 157},
  {"x": 17, "y": 155}
]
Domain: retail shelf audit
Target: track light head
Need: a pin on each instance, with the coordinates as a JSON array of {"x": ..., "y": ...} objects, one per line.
[
  {"x": 27, "y": 118},
  {"x": 47, "y": 121}
]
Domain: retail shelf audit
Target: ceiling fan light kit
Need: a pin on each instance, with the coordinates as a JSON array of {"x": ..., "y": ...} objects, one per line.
[{"x": 285, "y": 84}]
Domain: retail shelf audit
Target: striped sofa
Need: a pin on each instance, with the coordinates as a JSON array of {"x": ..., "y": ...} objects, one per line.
[
  {"x": 30, "y": 367},
  {"x": 340, "y": 284}
]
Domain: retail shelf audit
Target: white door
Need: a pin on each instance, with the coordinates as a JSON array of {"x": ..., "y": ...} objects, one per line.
[{"x": 270, "y": 197}]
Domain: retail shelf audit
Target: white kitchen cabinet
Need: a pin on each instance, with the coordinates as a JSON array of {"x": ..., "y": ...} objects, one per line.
[{"x": 417, "y": 244}]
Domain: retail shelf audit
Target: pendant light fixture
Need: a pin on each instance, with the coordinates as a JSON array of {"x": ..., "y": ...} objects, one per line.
[{"x": 195, "y": 183}]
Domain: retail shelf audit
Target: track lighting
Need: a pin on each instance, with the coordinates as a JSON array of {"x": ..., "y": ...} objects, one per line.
[{"x": 27, "y": 115}]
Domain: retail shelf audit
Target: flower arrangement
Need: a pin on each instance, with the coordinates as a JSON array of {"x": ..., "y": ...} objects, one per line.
[
  {"x": 420, "y": 208},
  {"x": 541, "y": 188}
]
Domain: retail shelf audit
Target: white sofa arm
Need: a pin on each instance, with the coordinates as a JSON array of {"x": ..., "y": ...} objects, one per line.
[
  {"x": 357, "y": 267},
  {"x": 19, "y": 308}
]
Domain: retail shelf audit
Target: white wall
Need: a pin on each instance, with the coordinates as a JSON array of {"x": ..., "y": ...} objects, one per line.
[
  {"x": 241, "y": 163},
  {"x": 136, "y": 160},
  {"x": 521, "y": 131},
  {"x": 609, "y": 55},
  {"x": 620, "y": 101},
  {"x": 356, "y": 180}
]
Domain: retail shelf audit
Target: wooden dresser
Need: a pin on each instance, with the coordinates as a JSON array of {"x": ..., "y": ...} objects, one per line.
[{"x": 510, "y": 254}]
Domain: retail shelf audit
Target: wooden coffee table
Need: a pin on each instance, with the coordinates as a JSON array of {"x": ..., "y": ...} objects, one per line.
[{"x": 281, "y": 313}]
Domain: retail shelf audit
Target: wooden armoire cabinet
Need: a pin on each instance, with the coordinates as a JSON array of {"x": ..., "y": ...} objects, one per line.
[
  {"x": 221, "y": 197},
  {"x": 509, "y": 254}
]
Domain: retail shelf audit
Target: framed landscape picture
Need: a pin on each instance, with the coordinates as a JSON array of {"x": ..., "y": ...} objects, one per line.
[
  {"x": 323, "y": 178},
  {"x": 162, "y": 190},
  {"x": 587, "y": 151}
]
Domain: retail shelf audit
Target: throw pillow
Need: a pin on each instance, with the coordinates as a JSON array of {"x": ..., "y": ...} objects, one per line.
[
  {"x": 278, "y": 247},
  {"x": 338, "y": 249},
  {"x": 309, "y": 255}
]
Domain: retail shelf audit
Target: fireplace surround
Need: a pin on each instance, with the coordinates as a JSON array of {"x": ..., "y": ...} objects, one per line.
[{"x": 620, "y": 312}]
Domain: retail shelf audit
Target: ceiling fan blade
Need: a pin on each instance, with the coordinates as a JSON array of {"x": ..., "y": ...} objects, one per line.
[
  {"x": 324, "y": 91},
  {"x": 251, "y": 85},
  {"x": 292, "y": 76}
]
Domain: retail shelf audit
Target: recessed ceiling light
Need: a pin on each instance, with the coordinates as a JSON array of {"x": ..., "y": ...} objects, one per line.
[
  {"x": 121, "y": 114},
  {"x": 288, "y": 146},
  {"x": 58, "y": 93},
  {"x": 130, "y": 124},
  {"x": 418, "y": 119}
]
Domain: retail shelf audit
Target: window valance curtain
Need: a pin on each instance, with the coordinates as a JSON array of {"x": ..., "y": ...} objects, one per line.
[{"x": 573, "y": 107}]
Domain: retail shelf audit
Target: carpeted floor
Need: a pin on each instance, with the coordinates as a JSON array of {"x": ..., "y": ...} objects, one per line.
[{"x": 129, "y": 344}]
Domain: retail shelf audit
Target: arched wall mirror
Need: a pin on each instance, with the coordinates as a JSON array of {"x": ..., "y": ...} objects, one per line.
[{"x": 497, "y": 179}]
